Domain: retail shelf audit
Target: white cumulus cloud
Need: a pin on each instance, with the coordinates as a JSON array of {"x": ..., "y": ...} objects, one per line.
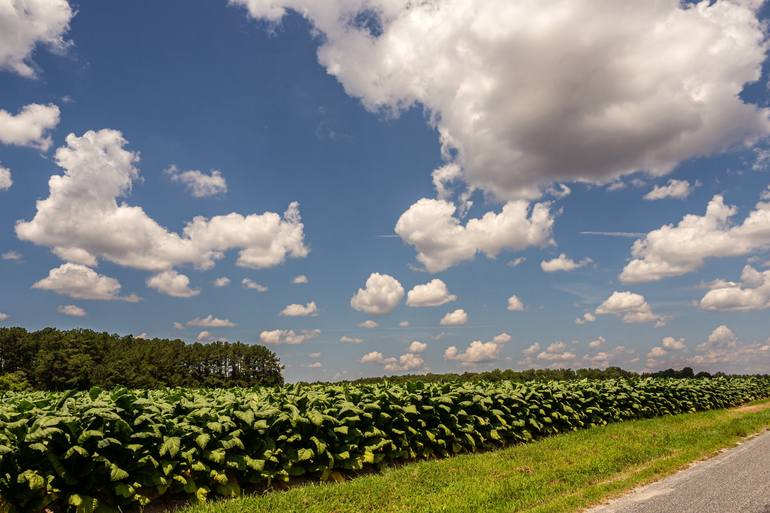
[
  {"x": 476, "y": 352},
  {"x": 674, "y": 189},
  {"x": 433, "y": 293},
  {"x": 6, "y": 181},
  {"x": 71, "y": 310},
  {"x": 296, "y": 310},
  {"x": 223, "y": 281},
  {"x": 454, "y": 318},
  {"x": 630, "y": 307},
  {"x": 82, "y": 220},
  {"x": 673, "y": 250},
  {"x": 381, "y": 295},
  {"x": 442, "y": 241},
  {"x": 300, "y": 279},
  {"x": 250, "y": 284},
  {"x": 198, "y": 183},
  {"x": 663, "y": 89},
  {"x": 351, "y": 340},
  {"x": 211, "y": 322},
  {"x": 30, "y": 126},
  {"x": 563, "y": 263},
  {"x": 172, "y": 284},
  {"x": 28, "y": 24},
  {"x": 752, "y": 293},
  {"x": 81, "y": 282},
  {"x": 515, "y": 304},
  {"x": 288, "y": 336}
]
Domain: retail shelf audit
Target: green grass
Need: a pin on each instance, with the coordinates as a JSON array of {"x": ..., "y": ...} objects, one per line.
[{"x": 563, "y": 473}]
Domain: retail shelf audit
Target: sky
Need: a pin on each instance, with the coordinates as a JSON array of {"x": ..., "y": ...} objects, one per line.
[{"x": 374, "y": 187}]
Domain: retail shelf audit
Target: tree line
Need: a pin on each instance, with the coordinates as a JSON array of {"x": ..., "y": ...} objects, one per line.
[
  {"x": 539, "y": 375},
  {"x": 52, "y": 359}
]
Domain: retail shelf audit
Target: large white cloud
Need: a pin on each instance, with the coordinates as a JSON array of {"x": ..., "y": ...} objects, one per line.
[
  {"x": 381, "y": 295},
  {"x": 82, "y": 220},
  {"x": 80, "y": 282},
  {"x": 528, "y": 92},
  {"x": 673, "y": 250},
  {"x": 753, "y": 293},
  {"x": 433, "y": 293},
  {"x": 30, "y": 126},
  {"x": 28, "y": 23},
  {"x": 630, "y": 307},
  {"x": 441, "y": 241}
]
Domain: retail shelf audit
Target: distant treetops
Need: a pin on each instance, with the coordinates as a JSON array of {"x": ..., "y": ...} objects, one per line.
[{"x": 52, "y": 359}]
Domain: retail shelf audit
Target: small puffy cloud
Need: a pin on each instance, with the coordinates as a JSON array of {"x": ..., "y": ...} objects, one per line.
[
  {"x": 721, "y": 338},
  {"x": 369, "y": 324},
  {"x": 71, "y": 310},
  {"x": 143, "y": 335},
  {"x": 314, "y": 365},
  {"x": 476, "y": 352},
  {"x": 442, "y": 241},
  {"x": 314, "y": 355},
  {"x": 14, "y": 256},
  {"x": 351, "y": 340},
  {"x": 4, "y": 316},
  {"x": 5, "y": 178},
  {"x": 673, "y": 344},
  {"x": 656, "y": 352},
  {"x": 630, "y": 307},
  {"x": 563, "y": 263},
  {"x": 405, "y": 362},
  {"x": 27, "y": 25},
  {"x": 556, "y": 352},
  {"x": 515, "y": 304},
  {"x": 248, "y": 283},
  {"x": 502, "y": 338},
  {"x": 223, "y": 281},
  {"x": 380, "y": 296},
  {"x": 81, "y": 282},
  {"x": 31, "y": 126},
  {"x": 85, "y": 218},
  {"x": 673, "y": 250},
  {"x": 296, "y": 310},
  {"x": 178, "y": 325},
  {"x": 597, "y": 342},
  {"x": 203, "y": 336},
  {"x": 532, "y": 350},
  {"x": 587, "y": 317},
  {"x": 417, "y": 347},
  {"x": 197, "y": 183},
  {"x": 454, "y": 318},
  {"x": 403, "y": 324},
  {"x": 674, "y": 189},
  {"x": 300, "y": 279},
  {"x": 433, "y": 293},
  {"x": 516, "y": 262},
  {"x": 211, "y": 322},
  {"x": 172, "y": 284},
  {"x": 288, "y": 336},
  {"x": 753, "y": 293}
]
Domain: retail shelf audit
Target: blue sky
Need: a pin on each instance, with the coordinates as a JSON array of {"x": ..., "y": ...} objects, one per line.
[{"x": 348, "y": 110}]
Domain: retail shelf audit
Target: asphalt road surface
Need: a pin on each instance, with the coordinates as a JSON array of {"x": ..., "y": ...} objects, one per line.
[{"x": 735, "y": 481}]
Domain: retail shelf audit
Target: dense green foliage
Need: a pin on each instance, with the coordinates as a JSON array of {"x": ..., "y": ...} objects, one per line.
[
  {"x": 534, "y": 375},
  {"x": 52, "y": 359},
  {"x": 111, "y": 451}
]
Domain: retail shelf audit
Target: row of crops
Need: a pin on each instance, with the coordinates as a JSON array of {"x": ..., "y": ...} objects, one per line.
[{"x": 121, "y": 450}]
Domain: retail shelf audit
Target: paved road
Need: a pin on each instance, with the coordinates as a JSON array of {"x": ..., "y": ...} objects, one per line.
[{"x": 736, "y": 481}]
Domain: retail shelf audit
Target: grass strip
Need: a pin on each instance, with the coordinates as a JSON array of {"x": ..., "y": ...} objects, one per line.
[{"x": 564, "y": 473}]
